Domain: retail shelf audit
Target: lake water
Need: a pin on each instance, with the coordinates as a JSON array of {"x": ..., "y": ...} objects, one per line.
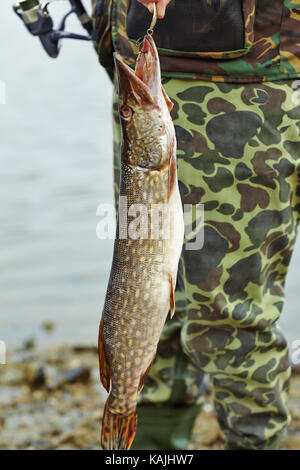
[{"x": 55, "y": 157}]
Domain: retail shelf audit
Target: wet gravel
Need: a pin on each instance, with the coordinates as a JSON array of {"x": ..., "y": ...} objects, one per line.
[{"x": 51, "y": 399}]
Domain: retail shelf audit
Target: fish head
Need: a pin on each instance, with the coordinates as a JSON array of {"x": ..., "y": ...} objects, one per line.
[{"x": 148, "y": 135}]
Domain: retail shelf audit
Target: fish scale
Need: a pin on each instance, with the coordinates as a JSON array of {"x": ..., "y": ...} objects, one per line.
[{"x": 140, "y": 291}]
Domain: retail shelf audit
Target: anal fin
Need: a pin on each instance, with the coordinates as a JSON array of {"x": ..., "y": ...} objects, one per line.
[
  {"x": 103, "y": 364},
  {"x": 172, "y": 295}
]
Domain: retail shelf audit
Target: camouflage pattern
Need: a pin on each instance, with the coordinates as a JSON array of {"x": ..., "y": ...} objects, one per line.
[
  {"x": 271, "y": 44},
  {"x": 239, "y": 155},
  {"x": 101, "y": 12}
]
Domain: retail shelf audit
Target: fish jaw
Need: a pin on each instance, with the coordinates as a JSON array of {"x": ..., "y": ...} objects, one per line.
[
  {"x": 132, "y": 89},
  {"x": 148, "y": 67},
  {"x": 144, "y": 83}
]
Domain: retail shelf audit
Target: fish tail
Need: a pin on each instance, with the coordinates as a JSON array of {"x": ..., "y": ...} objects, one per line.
[{"x": 118, "y": 430}]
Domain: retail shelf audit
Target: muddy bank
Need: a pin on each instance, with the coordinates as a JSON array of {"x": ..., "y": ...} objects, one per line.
[{"x": 51, "y": 399}]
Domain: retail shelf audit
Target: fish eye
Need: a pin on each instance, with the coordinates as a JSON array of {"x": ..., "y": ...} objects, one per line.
[{"x": 125, "y": 112}]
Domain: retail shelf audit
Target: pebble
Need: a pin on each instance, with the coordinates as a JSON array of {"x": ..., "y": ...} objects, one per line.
[{"x": 59, "y": 403}]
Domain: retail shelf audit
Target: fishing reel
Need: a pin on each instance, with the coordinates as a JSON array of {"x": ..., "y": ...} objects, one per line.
[{"x": 37, "y": 19}]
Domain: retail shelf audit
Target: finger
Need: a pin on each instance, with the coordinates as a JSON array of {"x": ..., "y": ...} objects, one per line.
[
  {"x": 146, "y": 2},
  {"x": 151, "y": 7},
  {"x": 161, "y": 9}
]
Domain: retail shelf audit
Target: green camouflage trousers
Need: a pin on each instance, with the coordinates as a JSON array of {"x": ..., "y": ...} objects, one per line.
[{"x": 238, "y": 155}]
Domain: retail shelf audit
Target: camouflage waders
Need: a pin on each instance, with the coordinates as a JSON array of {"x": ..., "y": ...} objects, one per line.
[
  {"x": 239, "y": 155},
  {"x": 237, "y": 119}
]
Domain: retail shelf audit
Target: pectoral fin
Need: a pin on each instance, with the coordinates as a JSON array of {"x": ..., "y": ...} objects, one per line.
[
  {"x": 103, "y": 364},
  {"x": 167, "y": 100},
  {"x": 172, "y": 295}
]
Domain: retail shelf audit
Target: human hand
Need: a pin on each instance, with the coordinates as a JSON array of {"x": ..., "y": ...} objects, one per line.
[{"x": 160, "y": 6}]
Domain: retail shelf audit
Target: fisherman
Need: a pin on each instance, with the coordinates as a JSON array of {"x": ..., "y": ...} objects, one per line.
[{"x": 231, "y": 68}]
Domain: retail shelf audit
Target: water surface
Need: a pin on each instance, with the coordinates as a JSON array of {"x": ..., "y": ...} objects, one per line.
[{"x": 55, "y": 157}]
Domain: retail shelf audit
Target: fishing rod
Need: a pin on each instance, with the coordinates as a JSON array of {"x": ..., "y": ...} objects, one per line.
[{"x": 38, "y": 21}]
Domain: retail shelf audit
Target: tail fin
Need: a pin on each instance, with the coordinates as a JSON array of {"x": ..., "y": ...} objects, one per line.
[{"x": 118, "y": 430}]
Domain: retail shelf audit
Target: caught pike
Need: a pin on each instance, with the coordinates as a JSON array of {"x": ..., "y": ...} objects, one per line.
[{"x": 142, "y": 280}]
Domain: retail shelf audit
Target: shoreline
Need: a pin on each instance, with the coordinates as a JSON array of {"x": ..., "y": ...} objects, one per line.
[{"x": 51, "y": 398}]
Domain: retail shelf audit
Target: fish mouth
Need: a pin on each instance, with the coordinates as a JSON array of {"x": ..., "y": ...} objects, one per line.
[
  {"x": 145, "y": 81},
  {"x": 147, "y": 66}
]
